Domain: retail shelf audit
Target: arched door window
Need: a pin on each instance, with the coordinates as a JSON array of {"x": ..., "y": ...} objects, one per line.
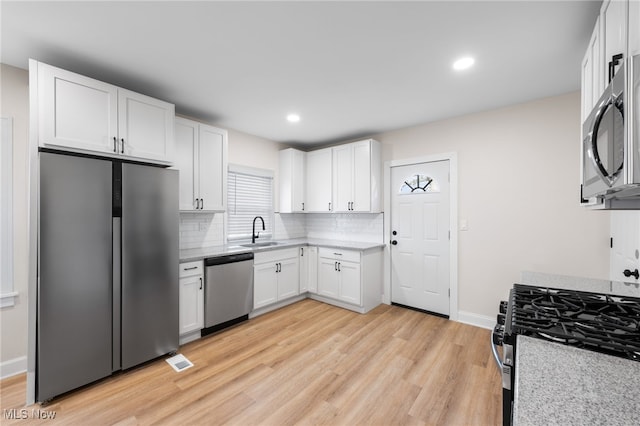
[{"x": 419, "y": 184}]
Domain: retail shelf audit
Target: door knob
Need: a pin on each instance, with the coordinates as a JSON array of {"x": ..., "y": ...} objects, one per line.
[
  {"x": 627, "y": 273},
  {"x": 394, "y": 242}
]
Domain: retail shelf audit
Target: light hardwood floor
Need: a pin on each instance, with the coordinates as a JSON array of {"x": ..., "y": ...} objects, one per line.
[{"x": 308, "y": 363}]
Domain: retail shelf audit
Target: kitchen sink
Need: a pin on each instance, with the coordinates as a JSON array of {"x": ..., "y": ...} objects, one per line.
[{"x": 261, "y": 244}]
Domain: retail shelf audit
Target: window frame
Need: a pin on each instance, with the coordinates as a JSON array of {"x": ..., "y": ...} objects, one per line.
[{"x": 268, "y": 215}]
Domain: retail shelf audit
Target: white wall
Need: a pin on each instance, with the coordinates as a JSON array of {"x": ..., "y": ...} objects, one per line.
[
  {"x": 519, "y": 192},
  {"x": 13, "y": 320}
]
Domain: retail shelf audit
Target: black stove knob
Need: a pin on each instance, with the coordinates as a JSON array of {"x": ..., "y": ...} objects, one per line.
[
  {"x": 498, "y": 335},
  {"x": 503, "y": 306},
  {"x": 501, "y": 319}
]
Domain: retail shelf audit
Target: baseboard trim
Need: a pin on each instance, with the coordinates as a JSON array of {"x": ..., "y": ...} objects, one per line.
[
  {"x": 477, "y": 320},
  {"x": 13, "y": 367}
]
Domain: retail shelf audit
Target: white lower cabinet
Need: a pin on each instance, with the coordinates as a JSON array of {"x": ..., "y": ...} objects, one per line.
[
  {"x": 276, "y": 276},
  {"x": 350, "y": 278},
  {"x": 339, "y": 275},
  {"x": 191, "y": 298}
]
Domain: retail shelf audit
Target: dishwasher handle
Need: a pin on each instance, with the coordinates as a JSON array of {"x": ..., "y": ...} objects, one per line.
[{"x": 231, "y": 258}]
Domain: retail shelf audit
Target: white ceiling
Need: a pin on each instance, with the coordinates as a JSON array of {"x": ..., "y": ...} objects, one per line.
[{"x": 350, "y": 69}]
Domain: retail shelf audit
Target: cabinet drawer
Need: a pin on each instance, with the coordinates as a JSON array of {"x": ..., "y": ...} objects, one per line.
[
  {"x": 275, "y": 255},
  {"x": 189, "y": 269},
  {"x": 339, "y": 254}
]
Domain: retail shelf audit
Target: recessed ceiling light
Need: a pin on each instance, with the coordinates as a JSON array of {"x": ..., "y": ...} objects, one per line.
[
  {"x": 293, "y": 118},
  {"x": 463, "y": 63}
]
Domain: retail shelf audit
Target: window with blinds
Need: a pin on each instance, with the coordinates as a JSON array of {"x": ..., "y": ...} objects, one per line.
[{"x": 249, "y": 194}]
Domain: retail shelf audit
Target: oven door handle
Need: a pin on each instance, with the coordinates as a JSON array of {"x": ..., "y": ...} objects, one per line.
[{"x": 496, "y": 356}]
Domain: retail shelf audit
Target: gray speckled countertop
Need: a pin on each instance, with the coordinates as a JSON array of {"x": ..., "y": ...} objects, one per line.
[
  {"x": 582, "y": 284},
  {"x": 562, "y": 385},
  {"x": 189, "y": 255}
]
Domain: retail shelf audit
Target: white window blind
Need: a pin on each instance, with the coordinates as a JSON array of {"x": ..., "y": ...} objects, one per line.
[{"x": 249, "y": 194}]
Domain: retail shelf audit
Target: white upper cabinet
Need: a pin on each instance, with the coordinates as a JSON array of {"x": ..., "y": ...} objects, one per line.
[
  {"x": 356, "y": 177},
  {"x": 634, "y": 28},
  {"x": 201, "y": 158},
  {"x": 292, "y": 172},
  {"x": 76, "y": 111},
  {"x": 318, "y": 185},
  {"x": 592, "y": 82},
  {"x": 212, "y": 158},
  {"x": 613, "y": 22},
  {"x": 82, "y": 114},
  {"x": 145, "y": 126}
]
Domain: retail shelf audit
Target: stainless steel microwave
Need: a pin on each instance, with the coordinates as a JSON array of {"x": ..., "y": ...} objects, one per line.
[{"x": 611, "y": 142}]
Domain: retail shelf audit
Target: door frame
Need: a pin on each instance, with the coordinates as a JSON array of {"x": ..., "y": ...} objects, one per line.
[{"x": 452, "y": 157}]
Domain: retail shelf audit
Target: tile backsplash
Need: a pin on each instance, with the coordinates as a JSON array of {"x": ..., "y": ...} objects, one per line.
[
  {"x": 201, "y": 230},
  {"x": 205, "y": 230},
  {"x": 365, "y": 227}
]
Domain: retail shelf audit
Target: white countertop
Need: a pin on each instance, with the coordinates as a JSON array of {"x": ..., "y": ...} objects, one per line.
[
  {"x": 557, "y": 384},
  {"x": 567, "y": 282},
  {"x": 189, "y": 255}
]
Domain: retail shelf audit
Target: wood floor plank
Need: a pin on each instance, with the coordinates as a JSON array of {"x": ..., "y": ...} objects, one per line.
[{"x": 308, "y": 363}]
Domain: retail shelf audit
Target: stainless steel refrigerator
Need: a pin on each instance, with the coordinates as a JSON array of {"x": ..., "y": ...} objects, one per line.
[{"x": 108, "y": 269}]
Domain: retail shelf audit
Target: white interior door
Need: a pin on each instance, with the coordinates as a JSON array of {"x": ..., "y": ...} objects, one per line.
[
  {"x": 625, "y": 247},
  {"x": 420, "y": 197}
]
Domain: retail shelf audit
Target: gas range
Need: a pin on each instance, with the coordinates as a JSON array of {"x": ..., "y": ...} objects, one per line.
[{"x": 592, "y": 321}]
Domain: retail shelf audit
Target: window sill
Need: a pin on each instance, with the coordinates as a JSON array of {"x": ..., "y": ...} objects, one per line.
[{"x": 8, "y": 299}]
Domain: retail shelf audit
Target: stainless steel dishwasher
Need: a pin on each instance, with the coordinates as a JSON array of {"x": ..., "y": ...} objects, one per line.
[{"x": 228, "y": 292}]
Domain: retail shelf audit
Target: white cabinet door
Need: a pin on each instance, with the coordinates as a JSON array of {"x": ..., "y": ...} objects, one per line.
[
  {"x": 212, "y": 168},
  {"x": 625, "y": 247},
  {"x": 292, "y": 178},
  {"x": 265, "y": 285},
  {"x": 288, "y": 278},
  {"x": 613, "y": 19},
  {"x": 349, "y": 273},
  {"x": 145, "y": 126},
  {"x": 328, "y": 284},
  {"x": 361, "y": 163},
  {"x": 186, "y": 139},
  {"x": 591, "y": 73},
  {"x": 342, "y": 178},
  {"x": 191, "y": 304},
  {"x": 304, "y": 269},
  {"x": 634, "y": 28},
  {"x": 76, "y": 111},
  {"x": 318, "y": 188},
  {"x": 312, "y": 262}
]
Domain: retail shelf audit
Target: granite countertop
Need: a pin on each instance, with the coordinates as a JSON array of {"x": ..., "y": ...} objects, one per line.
[
  {"x": 189, "y": 255},
  {"x": 557, "y": 384},
  {"x": 567, "y": 282}
]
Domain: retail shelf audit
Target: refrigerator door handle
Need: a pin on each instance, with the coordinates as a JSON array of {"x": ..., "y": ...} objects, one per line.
[{"x": 117, "y": 294}]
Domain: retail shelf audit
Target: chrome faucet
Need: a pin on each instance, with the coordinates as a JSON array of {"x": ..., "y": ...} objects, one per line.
[{"x": 253, "y": 231}]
